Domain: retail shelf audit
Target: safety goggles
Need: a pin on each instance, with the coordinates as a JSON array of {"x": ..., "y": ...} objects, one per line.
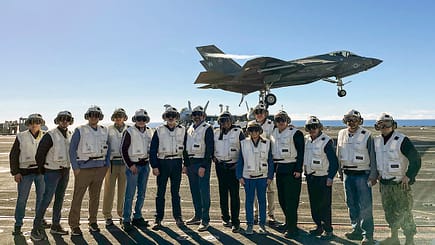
[
  {"x": 197, "y": 113},
  {"x": 223, "y": 120},
  {"x": 280, "y": 120},
  {"x": 313, "y": 126},
  {"x": 253, "y": 129},
  {"x": 35, "y": 121},
  {"x": 383, "y": 124},
  {"x": 119, "y": 115},
  {"x": 171, "y": 115},
  {"x": 95, "y": 114},
  {"x": 258, "y": 111},
  {"x": 350, "y": 119},
  {"x": 65, "y": 119},
  {"x": 142, "y": 119}
]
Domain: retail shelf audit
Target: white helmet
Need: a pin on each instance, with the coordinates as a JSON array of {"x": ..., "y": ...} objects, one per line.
[
  {"x": 92, "y": 110},
  {"x": 141, "y": 115},
  {"x": 34, "y": 118},
  {"x": 312, "y": 123},
  {"x": 353, "y": 114},
  {"x": 64, "y": 115},
  {"x": 385, "y": 121}
]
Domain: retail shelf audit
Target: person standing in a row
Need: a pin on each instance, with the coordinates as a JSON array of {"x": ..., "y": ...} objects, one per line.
[
  {"x": 52, "y": 156},
  {"x": 90, "y": 158},
  {"x": 135, "y": 146},
  {"x": 166, "y": 152}
]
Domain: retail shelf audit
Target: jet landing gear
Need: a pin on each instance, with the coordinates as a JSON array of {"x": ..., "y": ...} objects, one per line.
[
  {"x": 341, "y": 92},
  {"x": 267, "y": 98}
]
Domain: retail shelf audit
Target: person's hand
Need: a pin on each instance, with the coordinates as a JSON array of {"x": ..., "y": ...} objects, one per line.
[
  {"x": 341, "y": 177},
  {"x": 184, "y": 170},
  {"x": 18, "y": 178},
  {"x": 76, "y": 172},
  {"x": 329, "y": 182},
  {"x": 133, "y": 169},
  {"x": 201, "y": 172},
  {"x": 373, "y": 182},
  {"x": 156, "y": 171},
  {"x": 269, "y": 181},
  {"x": 405, "y": 183},
  {"x": 242, "y": 181},
  {"x": 297, "y": 175}
]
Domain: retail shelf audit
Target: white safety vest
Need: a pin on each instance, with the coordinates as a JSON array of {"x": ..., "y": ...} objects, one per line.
[
  {"x": 115, "y": 141},
  {"x": 283, "y": 146},
  {"x": 255, "y": 158},
  {"x": 58, "y": 155},
  {"x": 170, "y": 142},
  {"x": 93, "y": 143},
  {"x": 352, "y": 151},
  {"x": 195, "y": 143},
  {"x": 391, "y": 163},
  {"x": 315, "y": 160},
  {"x": 228, "y": 148},
  {"x": 28, "y": 147},
  {"x": 140, "y": 144},
  {"x": 267, "y": 128}
]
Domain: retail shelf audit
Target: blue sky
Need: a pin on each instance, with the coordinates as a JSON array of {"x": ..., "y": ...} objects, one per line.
[{"x": 57, "y": 55}]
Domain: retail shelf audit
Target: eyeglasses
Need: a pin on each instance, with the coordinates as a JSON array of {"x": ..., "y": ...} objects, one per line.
[
  {"x": 223, "y": 120},
  {"x": 94, "y": 114},
  {"x": 254, "y": 129},
  {"x": 197, "y": 113},
  {"x": 259, "y": 111},
  {"x": 65, "y": 118},
  {"x": 142, "y": 119},
  {"x": 171, "y": 115},
  {"x": 280, "y": 120},
  {"x": 312, "y": 126}
]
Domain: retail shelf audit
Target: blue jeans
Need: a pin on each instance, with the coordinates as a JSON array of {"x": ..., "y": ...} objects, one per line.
[
  {"x": 253, "y": 186},
  {"x": 23, "y": 194},
  {"x": 200, "y": 190},
  {"x": 359, "y": 201},
  {"x": 57, "y": 181},
  {"x": 134, "y": 181}
]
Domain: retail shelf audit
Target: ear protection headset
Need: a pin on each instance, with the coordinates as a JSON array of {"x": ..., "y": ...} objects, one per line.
[
  {"x": 64, "y": 113},
  {"x": 353, "y": 113},
  {"x": 141, "y": 113},
  {"x": 118, "y": 112},
  {"x": 284, "y": 115},
  {"x": 33, "y": 117},
  {"x": 94, "y": 109}
]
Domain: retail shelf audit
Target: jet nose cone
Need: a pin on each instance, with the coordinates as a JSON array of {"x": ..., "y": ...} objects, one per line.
[{"x": 375, "y": 62}]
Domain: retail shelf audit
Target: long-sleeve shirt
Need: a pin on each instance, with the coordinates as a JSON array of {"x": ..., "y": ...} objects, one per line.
[
  {"x": 209, "y": 149},
  {"x": 14, "y": 159},
  {"x": 332, "y": 158},
  {"x": 241, "y": 163},
  {"x": 299, "y": 141},
  {"x": 75, "y": 140}
]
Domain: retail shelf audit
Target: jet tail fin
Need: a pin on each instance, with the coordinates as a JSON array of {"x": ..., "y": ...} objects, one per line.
[{"x": 214, "y": 60}]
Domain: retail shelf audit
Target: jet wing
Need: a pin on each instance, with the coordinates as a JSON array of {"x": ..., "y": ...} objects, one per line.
[
  {"x": 209, "y": 77},
  {"x": 268, "y": 64}
]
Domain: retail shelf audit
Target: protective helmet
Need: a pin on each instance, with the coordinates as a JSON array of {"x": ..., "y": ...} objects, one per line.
[
  {"x": 254, "y": 126},
  {"x": 385, "y": 121},
  {"x": 34, "y": 118},
  {"x": 171, "y": 111},
  {"x": 312, "y": 123},
  {"x": 260, "y": 108},
  {"x": 199, "y": 110},
  {"x": 94, "y": 109},
  {"x": 64, "y": 115},
  {"x": 225, "y": 115},
  {"x": 283, "y": 115},
  {"x": 119, "y": 112},
  {"x": 353, "y": 114},
  {"x": 141, "y": 115}
]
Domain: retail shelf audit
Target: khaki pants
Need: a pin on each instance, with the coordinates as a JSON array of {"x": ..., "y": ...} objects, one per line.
[
  {"x": 115, "y": 172},
  {"x": 87, "y": 178}
]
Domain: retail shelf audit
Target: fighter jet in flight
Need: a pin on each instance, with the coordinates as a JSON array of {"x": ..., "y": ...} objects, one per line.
[{"x": 265, "y": 73}]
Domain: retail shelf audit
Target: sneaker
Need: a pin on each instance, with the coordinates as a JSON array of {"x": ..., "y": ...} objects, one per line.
[
  {"x": 76, "y": 231},
  {"x": 249, "y": 230},
  {"x": 272, "y": 220},
  {"x": 157, "y": 225},
  {"x": 367, "y": 241},
  {"x": 140, "y": 222},
  {"x": 226, "y": 223},
  {"x": 57, "y": 229},
  {"x": 354, "y": 235},
  {"x": 236, "y": 229},
  {"x": 327, "y": 235},
  {"x": 127, "y": 226},
  {"x": 203, "y": 227},
  {"x": 17, "y": 231},
  {"x": 262, "y": 230},
  {"x": 93, "y": 227},
  {"x": 291, "y": 234},
  {"x": 281, "y": 227},
  {"x": 193, "y": 221},
  {"x": 316, "y": 232},
  {"x": 109, "y": 222},
  {"x": 179, "y": 222},
  {"x": 36, "y": 235},
  {"x": 45, "y": 225}
]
